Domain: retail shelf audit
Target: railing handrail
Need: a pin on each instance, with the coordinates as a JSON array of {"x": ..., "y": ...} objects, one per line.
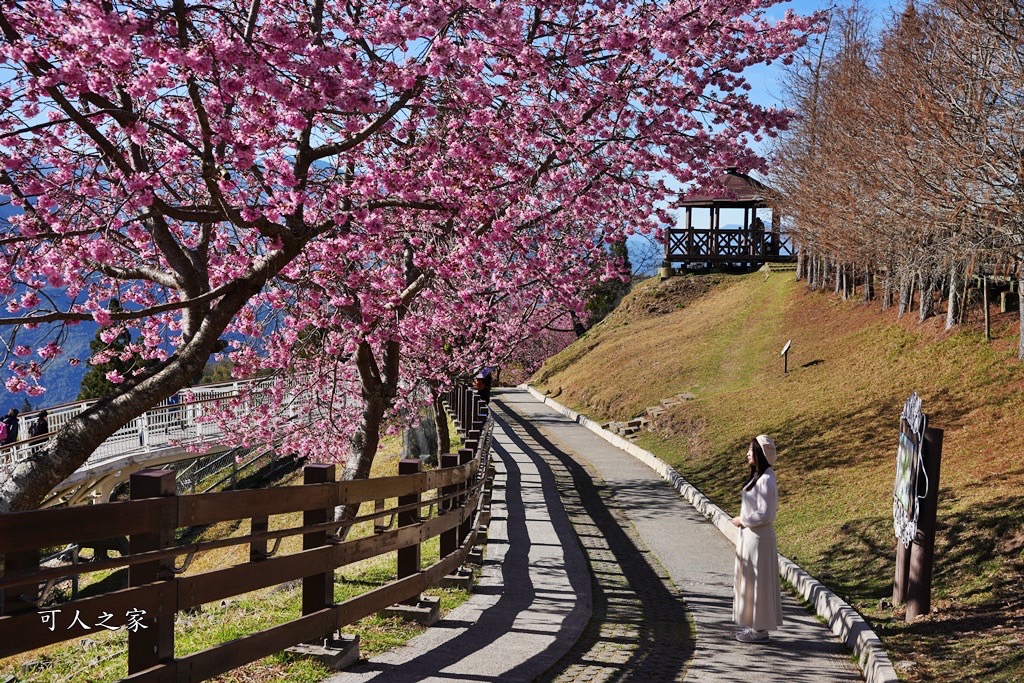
[{"x": 146, "y": 433}]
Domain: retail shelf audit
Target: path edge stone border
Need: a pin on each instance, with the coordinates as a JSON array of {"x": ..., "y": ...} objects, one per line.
[{"x": 842, "y": 619}]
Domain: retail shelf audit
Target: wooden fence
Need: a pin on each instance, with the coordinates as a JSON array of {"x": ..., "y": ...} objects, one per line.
[{"x": 455, "y": 496}]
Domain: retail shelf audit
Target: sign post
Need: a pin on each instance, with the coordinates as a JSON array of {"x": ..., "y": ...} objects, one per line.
[
  {"x": 915, "y": 506},
  {"x": 922, "y": 551},
  {"x": 785, "y": 357}
]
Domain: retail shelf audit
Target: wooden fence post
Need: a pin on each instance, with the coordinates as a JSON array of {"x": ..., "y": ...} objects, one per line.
[
  {"x": 464, "y": 409},
  {"x": 922, "y": 551},
  {"x": 450, "y": 538},
  {"x": 13, "y": 600},
  {"x": 409, "y": 557},
  {"x": 317, "y": 590},
  {"x": 258, "y": 549},
  {"x": 152, "y": 641},
  {"x": 466, "y": 455}
]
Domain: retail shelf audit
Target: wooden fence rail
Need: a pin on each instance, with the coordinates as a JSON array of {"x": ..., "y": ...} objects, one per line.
[{"x": 453, "y": 496}]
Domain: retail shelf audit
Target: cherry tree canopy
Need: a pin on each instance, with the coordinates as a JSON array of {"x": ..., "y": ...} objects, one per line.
[{"x": 332, "y": 186}]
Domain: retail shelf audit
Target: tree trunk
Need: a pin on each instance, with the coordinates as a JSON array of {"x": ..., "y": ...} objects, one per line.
[
  {"x": 869, "y": 285},
  {"x": 906, "y": 293},
  {"x": 801, "y": 263},
  {"x": 362, "y": 450},
  {"x": 887, "y": 291},
  {"x": 927, "y": 303},
  {"x": 379, "y": 390},
  {"x": 954, "y": 301},
  {"x": 1020, "y": 310},
  {"x": 839, "y": 277}
]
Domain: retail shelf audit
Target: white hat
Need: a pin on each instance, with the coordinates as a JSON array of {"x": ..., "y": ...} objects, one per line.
[{"x": 768, "y": 447}]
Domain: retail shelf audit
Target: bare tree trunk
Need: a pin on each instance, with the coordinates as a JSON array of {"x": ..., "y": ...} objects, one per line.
[
  {"x": 926, "y": 308},
  {"x": 839, "y": 272},
  {"x": 906, "y": 292},
  {"x": 954, "y": 301},
  {"x": 801, "y": 263},
  {"x": 1020, "y": 309},
  {"x": 887, "y": 291}
]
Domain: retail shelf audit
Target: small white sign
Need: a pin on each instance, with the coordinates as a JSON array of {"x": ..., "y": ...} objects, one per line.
[{"x": 785, "y": 349}]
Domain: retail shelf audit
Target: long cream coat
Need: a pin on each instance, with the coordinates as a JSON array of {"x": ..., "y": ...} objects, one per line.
[{"x": 757, "y": 600}]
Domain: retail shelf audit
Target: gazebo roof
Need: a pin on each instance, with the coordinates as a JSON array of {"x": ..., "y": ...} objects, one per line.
[{"x": 739, "y": 190}]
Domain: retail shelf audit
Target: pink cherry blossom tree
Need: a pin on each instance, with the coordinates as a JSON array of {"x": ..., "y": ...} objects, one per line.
[{"x": 361, "y": 196}]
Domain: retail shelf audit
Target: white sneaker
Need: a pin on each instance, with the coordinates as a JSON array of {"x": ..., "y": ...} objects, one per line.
[{"x": 749, "y": 635}]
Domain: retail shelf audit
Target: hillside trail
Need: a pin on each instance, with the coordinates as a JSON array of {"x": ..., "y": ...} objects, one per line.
[{"x": 597, "y": 570}]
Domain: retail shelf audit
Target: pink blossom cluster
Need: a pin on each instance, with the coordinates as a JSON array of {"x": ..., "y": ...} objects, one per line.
[{"x": 366, "y": 200}]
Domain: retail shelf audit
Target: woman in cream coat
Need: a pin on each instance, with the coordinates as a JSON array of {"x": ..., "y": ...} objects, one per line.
[{"x": 757, "y": 601}]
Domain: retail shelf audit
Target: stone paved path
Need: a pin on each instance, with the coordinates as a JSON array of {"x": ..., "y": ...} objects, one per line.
[
  {"x": 597, "y": 570},
  {"x": 698, "y": 559}
]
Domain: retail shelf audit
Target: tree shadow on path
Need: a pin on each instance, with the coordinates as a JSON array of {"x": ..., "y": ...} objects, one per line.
[{"x": 639, "y": 629}]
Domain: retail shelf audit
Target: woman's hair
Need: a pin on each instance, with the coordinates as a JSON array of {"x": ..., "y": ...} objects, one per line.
[{"x": 759, "y": 467}]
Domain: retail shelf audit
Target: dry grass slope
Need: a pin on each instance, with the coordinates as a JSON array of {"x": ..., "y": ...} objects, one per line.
[{"x": 834, "y": 416}]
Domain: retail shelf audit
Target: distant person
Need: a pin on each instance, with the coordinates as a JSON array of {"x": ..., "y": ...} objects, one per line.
[
  {"x": 40, "y": 425},
  {"x": 482, "y": 383},
  {"x": 757, "y": 593},
  {"x": 11, "y": 423},
  {"x": 758, "y": 238}
]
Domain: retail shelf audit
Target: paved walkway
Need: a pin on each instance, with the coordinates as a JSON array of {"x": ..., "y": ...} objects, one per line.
[{"x": 655, "y": 566}]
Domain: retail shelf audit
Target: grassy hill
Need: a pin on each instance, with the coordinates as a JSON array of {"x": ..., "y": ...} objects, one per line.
[{"x": 835, "y": 418}]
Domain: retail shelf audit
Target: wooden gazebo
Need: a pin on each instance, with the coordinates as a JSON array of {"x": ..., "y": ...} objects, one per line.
[{"x": 746, "y": 247}]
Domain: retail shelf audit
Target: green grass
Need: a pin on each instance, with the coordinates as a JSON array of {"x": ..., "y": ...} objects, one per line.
[{"x": 834, "y": 416}]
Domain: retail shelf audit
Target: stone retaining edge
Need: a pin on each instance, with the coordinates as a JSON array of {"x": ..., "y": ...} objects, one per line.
[{"x": 843, "y": 620}]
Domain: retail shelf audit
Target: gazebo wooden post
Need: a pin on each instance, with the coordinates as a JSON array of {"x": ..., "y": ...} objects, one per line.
[
  {"x": 749, "y": 247},
  {"x": 689, "y": 231},
  {"x": 716, "y": 215},
  {"x": 776, "y": 245}
]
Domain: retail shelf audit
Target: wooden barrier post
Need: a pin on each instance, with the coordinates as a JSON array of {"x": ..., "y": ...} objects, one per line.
[
  {"x": 151, "y": 642},
  {"x": 464, "y": 409},
  {"x": 258, "y": 549},
  {"x": 449, "y": 539},
  {"x": 922, "y": 550},
  {"x": 466, "y": 455},
  {"x": 14, "y": 597},
  {"x": 317, "y": 590},
  {"x": 409, "y": 557},
  {"x": 479, "y": 416}
]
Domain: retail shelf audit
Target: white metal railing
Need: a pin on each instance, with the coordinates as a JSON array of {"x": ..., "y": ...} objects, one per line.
[{"x": 175, "y": 422}]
